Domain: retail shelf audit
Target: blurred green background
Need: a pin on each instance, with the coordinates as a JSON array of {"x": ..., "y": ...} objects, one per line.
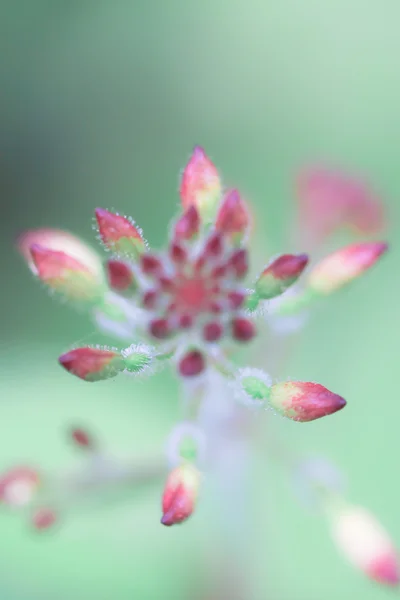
[{"x": 101, "y": 103}]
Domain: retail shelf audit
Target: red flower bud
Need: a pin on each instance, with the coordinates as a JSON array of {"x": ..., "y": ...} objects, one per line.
[
  {"x": 192, "y": 364},
  {"x": 18, "y": 486},
  {"x": 82, "y": 438},
  {"x": 187, "y": 225},
  {"x": 44, "y": 518},
  {"x": 92, "y": 364},
  {"x": 344, "y": 265},
  {"x": 233, "y": 217},
  {"x": 200, "y": 185},
  {"x": 66, "y": 275},
  {"x": 180, "y": 494},
  {"x": 280, "y": 275},
  {"x": 364, "y": 542},
  {"x": 119, "y": 234},
  {"x": 304, "y": 401},
  {"x": 120, "y": 276},
  {"x": 243, "y": 330}
]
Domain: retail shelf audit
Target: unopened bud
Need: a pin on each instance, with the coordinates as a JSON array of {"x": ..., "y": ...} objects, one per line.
[
  {"x": 43, "y": 518},
  {"x": 233, "y": 217},
  {"x": 82, "y": 438},
  {"x": 303, "y": 402},
  {"x": 92, "y": 364},
  {"x": 365, "y": 543},
  {"x": 120, "y": 277},
  {"x": 343, "y": 266},
  {"x": 119, "y": 234},
  {"x": 192, "y": 364},
  {"x": 188, "y": 225},
  {"x": 18, "y": 486},
  {"x": 66, "y": 275},
  {"x": 201, "y": 185},
  {"x": 180, "y": 494},
  {"x": 280, "y": 275}
]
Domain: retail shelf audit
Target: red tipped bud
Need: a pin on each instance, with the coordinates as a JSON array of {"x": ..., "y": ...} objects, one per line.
[
  {"x": 303, "y": 402},
  {"x": 92, "y": 364},
  {"x": 192, "y": 364},
  {"x": 82, "y": 438},
  {"x": 119, "y": 234},
  {"x": 330, "y": 200},
  {"x": 280, "y": 275},
  {"x": 160, "y": 328},
  {"x": 44, "y": 518},
  {"x": 201, "y": 185},
  {"x": 243, "y": 330},
  {"x": 18, "y": 486},
  {"x": 212, "y": 332},
  {"x": 364, "y": 542},
  {"x": 188, "y": 224},
  {"x": 233, "y": 217},
  {"x": 344, "y": 265},
  {"x": 239, "y": 263},
  {"x": 180, "y": 494},
  {"x": 120, "y": 277},
  {"x": 66, "y": 275}
]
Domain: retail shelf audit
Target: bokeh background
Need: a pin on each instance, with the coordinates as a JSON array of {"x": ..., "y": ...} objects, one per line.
[{"x": 101, "y": 103}]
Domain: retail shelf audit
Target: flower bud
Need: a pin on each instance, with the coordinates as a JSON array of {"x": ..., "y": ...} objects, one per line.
[
  {"x": 43, "y": 518},
  {"x": 364, "y": 542},
  {"x": 188, "y": 225},
  {"x": 82, "y": 438},
  {"x": 64, "y": 274},
  {"x": 303, "y": 402},
  {"x": 344, "y": 265},
  {"x": 233, "y": 218},
  {"x": 180, "y": 494},
  {"x": 119, "y": 234},
  {"x": 280, "y": 275},
  {"x": 201, "y": 185},
  {"x": 120, "y": 277},
  {"x": 92, "y": 364},
  {"x": 192, "y": 364},
  {"x": 18, "y": 486},
  {"x": 61, "y": 241}
]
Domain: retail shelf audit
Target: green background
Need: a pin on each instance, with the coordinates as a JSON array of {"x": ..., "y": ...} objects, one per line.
[{"x": 101, "y": 103}]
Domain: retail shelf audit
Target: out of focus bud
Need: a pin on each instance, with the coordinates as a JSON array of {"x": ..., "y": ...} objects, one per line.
[
  {"x": 82, "y": 438},
  {"x": 43, "y": 518},
  {"x": 18, "y": 486},
  {"x": 344, "y": 265},
  {"x": 188, "y": 225},
  {"x": 201, "y": 185},
  {"x": 365, "y": 543},
  {"x": 233, "y": 218},
  {"x": 119, "y": 234},
  {"x": 180, "y": 494},
  {"x": 120, "y": 277},
  {"x": 303, "y": 402},
  {"x": 329, "y": 200},
  {"x": 92, "y": 364},
  {"x": 61, "y": 241},
  {"x": 280, "y": 275},
  {"x": 192, "y": 364},
  {"x": 66, "y": 275}
]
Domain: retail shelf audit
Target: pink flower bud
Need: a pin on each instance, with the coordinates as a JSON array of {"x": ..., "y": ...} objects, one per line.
[
  {"x": 18, "y": 486},
  {"x": 200, "y": 185},
  {"x": 188, "y": 224},
  {"x": 243, "y": 330},
  {"x": 82, "y": 438},
  {"x": 329, "y": 200},
  {"x": 344, "y": 265},
  {"x": 280, "y": 275},
  {"x": 119, "y": 234},
  {"x": 364, "y": 542},
  {"x": 92, "y": 364},
  {"x": 43, "y": 518},
  {"x": 180, "y": 494},
  {"x": 192, "y": 364},
  {"x": 233, "y": 217},
  {"x": 304, "y": 401},
  {"x": 61, "y": 241},
  {"x": 66, "y": 275},
  {"x": 120, "y": 276}
]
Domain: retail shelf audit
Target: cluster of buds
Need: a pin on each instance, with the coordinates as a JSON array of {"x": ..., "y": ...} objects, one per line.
[{"x": 191, "y": 304}]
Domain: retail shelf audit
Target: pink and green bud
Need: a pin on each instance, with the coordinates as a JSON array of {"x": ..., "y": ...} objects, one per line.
[
  {"x": 180, "y": 494},
  {"x": 344, "y": 266},
  {"x": 280, "y": 275},
  {"x": 18, "y": 486},
  {"x": 92, "y": 364},
  {"x": 304, "y": 402},
  {"x": 192, "y": 364},
  {"x": 60, "y": 241},
  {"x": 119, "y": 234},
  {"x": 233, "y": 218},
  {"x": 120, "y": 277},
  {"x": 362, "y": 540},
  {"x": 201, "y": 185},
  {"x": 64, "y": 274}
]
